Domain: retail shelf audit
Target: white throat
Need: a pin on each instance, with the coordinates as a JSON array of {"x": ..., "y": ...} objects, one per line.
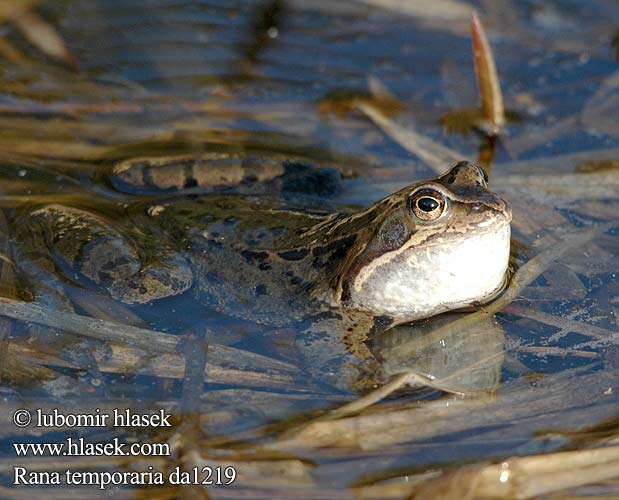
[{"x": 421, "y": 282}]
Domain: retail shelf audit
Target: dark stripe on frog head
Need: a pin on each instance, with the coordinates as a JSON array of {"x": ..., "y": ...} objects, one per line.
[
  {"x": 393, "y": 232},
  {"x": 296, "y": 254},
  {"x": 335, "y": 247},
  {"x": 384, "y": 227},
  {"x": 330, "y": 257}
]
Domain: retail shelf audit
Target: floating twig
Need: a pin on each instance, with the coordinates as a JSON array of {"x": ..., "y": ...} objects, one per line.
[
  {"x": 487, "y": 78},
  {"x": 524, "y": 477},
  {"x": 42, "y": 35}
]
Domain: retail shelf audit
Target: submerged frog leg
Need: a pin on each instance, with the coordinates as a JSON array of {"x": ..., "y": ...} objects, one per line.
[
  {"x": 83, "y": 244},
  {"x": 215, "y": 172},
  {"x": 36, "y": 266},
  {"x": 181, "y": 172},
  {"x": 334, "y": 351}
]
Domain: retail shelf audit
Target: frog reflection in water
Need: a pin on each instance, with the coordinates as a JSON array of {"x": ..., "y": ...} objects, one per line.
[{"x": 431, "y": 247}]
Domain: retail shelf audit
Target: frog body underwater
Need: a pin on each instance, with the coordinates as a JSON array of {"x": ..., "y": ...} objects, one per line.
[{"x": 338, "y": 278}]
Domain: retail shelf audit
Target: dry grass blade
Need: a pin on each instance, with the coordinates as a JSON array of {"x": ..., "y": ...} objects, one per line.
[
  {"x": 435, "y": 155},
  {"x": 556, "y": 351},
  {"x": 379, "y": 89},
  {"x": 524, "y": 477},
  {"x": 384, "y": 391},
  {"x": 250, "y": 470},
  {"x": 43, "y": 36},
  {"x": 127, "y": 360},
  {"x": 148, "y": 342},
  {"x": 103, "y": 307},
  {"x": 487, "y": 78},
  {"x": 565, "y": 324},
  {"x": 519, "y": 414},
  {"x": 438, "y": 10},
  {"x": 84, "y": 326}
]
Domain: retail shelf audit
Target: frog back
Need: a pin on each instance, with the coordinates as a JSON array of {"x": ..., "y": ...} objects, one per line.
[{"x": 255, "y": 257}]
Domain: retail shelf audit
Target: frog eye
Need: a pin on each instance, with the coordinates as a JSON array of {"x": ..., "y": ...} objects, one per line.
[{"x": 427, "y": 204}]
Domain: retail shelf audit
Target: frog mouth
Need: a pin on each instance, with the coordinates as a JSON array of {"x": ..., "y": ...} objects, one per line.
[{"x": 432, "y": 240}]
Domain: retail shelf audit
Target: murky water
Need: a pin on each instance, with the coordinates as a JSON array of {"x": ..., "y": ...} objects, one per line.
[{"x": 277, "y": 80}]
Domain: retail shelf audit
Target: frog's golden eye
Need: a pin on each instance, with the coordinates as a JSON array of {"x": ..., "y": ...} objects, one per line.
[{"x": 427, "y": 204}]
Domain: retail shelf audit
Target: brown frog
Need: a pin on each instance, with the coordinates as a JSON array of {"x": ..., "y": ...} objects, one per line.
[{"x": 337, "y": 277}]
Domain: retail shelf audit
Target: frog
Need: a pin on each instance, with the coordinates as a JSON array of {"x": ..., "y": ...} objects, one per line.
[{"x": 337, "y": 276}]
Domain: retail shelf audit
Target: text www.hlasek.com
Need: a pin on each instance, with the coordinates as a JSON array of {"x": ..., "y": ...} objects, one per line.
[{"x": 79, "y": 447}]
